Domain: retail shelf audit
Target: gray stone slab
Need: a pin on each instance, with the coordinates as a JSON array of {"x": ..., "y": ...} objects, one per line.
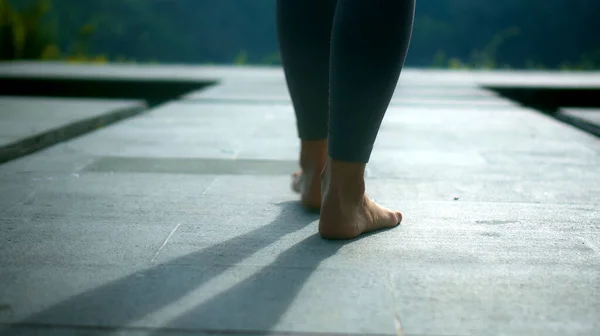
[
  {"x": 274, "y": 296},
  {"x": 258, "y": 74},
  {"x": 30, "y": 124},
  {"x": 591, "y": 115},
  {"x": 223, "y": 131},
  {"x": 25, "y": 117},
  {"x": 511, "y": 78},
  {"x": 27, "y": 69},
  {"x": 77, "y": 220},
  {"x": 441, "y": 101},
  {"x": 61, "y": 239},
  {"x": 234, "y": 247},
  {"x": 181, "y": 130},
  {"x": 156, "y": 225},
  {"x": 464, "y": 189},
  {"x": 385, "y": 168},
  {"x": 406, "y": 94},
  {"x": 193, "y": 166},
  {"x": 277, "y": 89},
  {"x": 533, "y": 206},
  {"x": 519, "y": 120}
]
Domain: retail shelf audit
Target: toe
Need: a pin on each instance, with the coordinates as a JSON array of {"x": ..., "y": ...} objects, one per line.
[
  {"x": 392, "y": 219},
  {"x": 387, "y": 217},
  {"x": 297, "y": 182},
  {"x": 399, "y": 216}
]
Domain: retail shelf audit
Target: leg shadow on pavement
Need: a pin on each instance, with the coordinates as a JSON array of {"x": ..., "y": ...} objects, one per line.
[
  {"x": 264, "y": 296},
  {"x": 256, "y": 304}
]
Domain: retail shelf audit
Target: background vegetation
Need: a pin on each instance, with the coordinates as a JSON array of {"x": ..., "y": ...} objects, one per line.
[{"x": 554, "y": 34}]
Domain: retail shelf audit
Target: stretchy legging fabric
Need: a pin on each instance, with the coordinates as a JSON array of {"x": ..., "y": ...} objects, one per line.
[{"x": 342, "y": 60}]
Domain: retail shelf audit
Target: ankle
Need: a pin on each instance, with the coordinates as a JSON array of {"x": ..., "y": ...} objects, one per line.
[
  {"x": 343, "y": 180},
  {"x": 313, "y": 155}
]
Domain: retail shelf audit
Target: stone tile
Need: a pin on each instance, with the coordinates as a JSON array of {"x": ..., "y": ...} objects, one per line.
[
  {"x": 414, "y": 290},
  {"x": 467, "y": 190},
  {"x": 26, "y": 117},
  {"x": 125, "y": 228},
  {"x": 96, "y": 219},
  {"x": 180, "y": 130}
]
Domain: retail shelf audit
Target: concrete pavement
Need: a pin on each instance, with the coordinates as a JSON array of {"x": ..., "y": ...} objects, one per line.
[{"x": 181, "y": 221}]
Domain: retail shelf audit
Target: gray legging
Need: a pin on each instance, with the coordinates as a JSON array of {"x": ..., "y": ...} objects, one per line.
[{"x": 342, "y": 60}]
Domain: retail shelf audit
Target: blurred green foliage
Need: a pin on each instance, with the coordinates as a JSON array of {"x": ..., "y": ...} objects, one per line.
[
  {"x": 23, "y": 33},
  {"x": 29, "y": 31},
  {"x": 477, "y": 34}
]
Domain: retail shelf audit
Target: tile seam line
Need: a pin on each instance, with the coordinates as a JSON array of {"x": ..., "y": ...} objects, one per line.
[{"x": 165, "y": 242}]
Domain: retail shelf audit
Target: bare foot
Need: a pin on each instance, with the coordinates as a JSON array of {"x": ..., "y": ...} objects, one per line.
[
  {"x": 346, "y": 211},
  {"x": 307, "y": 182},
  {"x": 309, "y": 188},
  {"x": 347, "y": 221}
]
